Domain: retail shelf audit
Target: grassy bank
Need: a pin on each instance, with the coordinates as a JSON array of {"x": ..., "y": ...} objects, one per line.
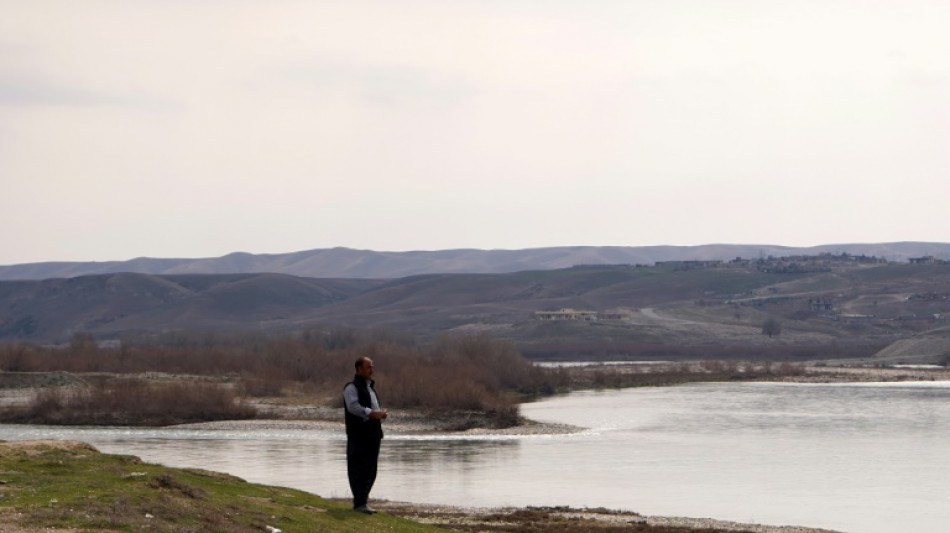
[{"x": 70, "y": 486}]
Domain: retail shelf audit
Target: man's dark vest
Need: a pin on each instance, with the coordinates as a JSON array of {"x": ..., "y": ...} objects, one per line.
[{"x": 356, "y": 426}]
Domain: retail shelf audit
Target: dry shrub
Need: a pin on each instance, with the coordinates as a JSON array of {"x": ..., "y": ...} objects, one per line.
[
  {"x": 671, "y": 374},
  {"x": 497, "y": 365},
  {"x": 571, "y": 350},
  {"x": 262, "y": 387},
  {"x": 473, "y": 373},
  {"x": 49, "y": 403},
  {"x": 132, "y": 402},
  {"x": 456, "y": 373},
  {"x": 18, "y": 357}
]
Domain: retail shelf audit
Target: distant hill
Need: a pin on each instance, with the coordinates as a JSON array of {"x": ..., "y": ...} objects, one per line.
[
  {"x": 619, "y": 311},
  {"x": 111, "y": 305},
  {"x": 368, "y": 264}
]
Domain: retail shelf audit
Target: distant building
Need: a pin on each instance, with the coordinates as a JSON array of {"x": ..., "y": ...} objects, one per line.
[
  {"x": 566, "y": 314},
  {"x": 856, "y": 318},
  {"x": 689, "y": 265},
  {"x": 925, "y": 260},
  {"x": 576, "y": 314},
  {"x": 602, "y": 265}
]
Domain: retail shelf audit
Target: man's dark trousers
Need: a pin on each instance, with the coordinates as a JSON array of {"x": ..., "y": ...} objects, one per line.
[{"x": 362, "y": 454}]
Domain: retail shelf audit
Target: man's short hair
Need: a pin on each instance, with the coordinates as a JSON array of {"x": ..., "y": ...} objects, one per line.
[{"x": 359, "y": 362}]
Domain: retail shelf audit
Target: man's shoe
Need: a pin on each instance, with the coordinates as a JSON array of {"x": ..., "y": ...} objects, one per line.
[{"x": 365, "y": 509}]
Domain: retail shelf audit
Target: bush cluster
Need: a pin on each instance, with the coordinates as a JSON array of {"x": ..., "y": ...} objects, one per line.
[
  {"x": 634, "y": 351},
  {"x": 469, "y": 373},
  {"x": 454, "y": 373},
  {"x": 673, "y": 374},
  {"x": 132, "y": 402}
]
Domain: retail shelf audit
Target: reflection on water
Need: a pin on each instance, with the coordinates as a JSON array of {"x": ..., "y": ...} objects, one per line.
[
  {"x": 467, "y": 454},
  {"x": 420, "y": 470},
  {"x": 859, "y": 458}
]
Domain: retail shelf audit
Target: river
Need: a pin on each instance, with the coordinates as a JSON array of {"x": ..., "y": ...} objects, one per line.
[{"x": 860, "y": 458}]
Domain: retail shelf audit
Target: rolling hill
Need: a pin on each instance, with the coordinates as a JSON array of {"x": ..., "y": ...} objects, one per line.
[
  {"x": 350, "y": 263},
  {"x": 111, "y": 305},
  {"x": 619, "y": 311}
]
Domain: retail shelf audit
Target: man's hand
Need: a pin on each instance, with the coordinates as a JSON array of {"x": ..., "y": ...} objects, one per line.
[{"x": 378, "y": 414}]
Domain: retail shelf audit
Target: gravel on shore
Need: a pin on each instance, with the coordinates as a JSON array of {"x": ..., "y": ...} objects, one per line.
[
  {"x": 499, "y": 519},
  {"x": 412, "y": 425}
]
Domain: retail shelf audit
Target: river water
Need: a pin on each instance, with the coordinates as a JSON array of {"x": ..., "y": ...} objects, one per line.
[{"x": 860, "y": 458}]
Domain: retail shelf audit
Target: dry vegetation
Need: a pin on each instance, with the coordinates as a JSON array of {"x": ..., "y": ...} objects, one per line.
[
  {"x": 132, "y": 402},
  {"x": 682, "y": 351},
  {"x": 661, "y": 374},
  {"x": 463, "y": 381},
  {"x": 216, "y": 376}
]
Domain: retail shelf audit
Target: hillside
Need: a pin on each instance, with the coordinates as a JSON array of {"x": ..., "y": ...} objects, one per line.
[
  {"x": 115, "y": 304},
  {"x": 848, "y": 309},
  {"x": 350, "y": 263}
]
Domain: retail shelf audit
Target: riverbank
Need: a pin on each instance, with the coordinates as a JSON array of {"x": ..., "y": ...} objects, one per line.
[
  {"x": 401, "y": 422},
  {"x": 295, "y": 410},
  {"x": 476, "y": 519},
  {"x": 304, "y": 416},
  {"x": 665, "y": 373},
  {"x": 570, "y": 520},
  {"x": 69, "y": 487},
  {"x": 870, "y": 374},
  {"x": 284, "y": 413},
  {"x": 89, "y": 491}
]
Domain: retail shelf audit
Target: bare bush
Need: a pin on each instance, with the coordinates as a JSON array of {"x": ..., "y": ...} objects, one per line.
[
  {"x": 771, "y": 327},
  {"x": 640, "y": 351},
  {"x": 17, "y": 357},
  {"x": 663, "y": 374},
  {"x": 132, "y": 402},
  {"x": 262, "y": 387},
  {"x": 471, "y": 373}
]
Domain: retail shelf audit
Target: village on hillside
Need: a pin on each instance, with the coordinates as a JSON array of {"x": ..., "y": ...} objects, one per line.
[{"x": 824, "y": 307}]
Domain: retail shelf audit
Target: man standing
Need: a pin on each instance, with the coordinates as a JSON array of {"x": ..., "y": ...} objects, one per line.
[{"x": 364, "y": 431}]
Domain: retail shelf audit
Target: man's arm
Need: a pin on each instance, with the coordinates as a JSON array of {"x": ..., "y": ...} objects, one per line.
[{"x": 352, "y": 401}]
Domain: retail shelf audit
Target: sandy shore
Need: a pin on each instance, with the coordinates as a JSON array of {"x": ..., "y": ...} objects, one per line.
[
  {"x": 483, "y": 519},
  {"x": 410, "y": 423}
]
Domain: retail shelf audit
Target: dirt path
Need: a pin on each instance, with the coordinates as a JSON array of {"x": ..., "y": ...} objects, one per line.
[{"x": 651, "y": 313}]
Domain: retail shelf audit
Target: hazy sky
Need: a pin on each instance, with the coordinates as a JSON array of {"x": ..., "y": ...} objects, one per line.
[{"x": 195, "y": 128}]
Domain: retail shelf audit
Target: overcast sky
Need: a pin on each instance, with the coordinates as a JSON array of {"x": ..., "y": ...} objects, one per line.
[{"x": 195, "y": 128}]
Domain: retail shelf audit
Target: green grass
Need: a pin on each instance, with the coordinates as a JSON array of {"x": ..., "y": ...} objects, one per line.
[{"x": 76, "y": 487}]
